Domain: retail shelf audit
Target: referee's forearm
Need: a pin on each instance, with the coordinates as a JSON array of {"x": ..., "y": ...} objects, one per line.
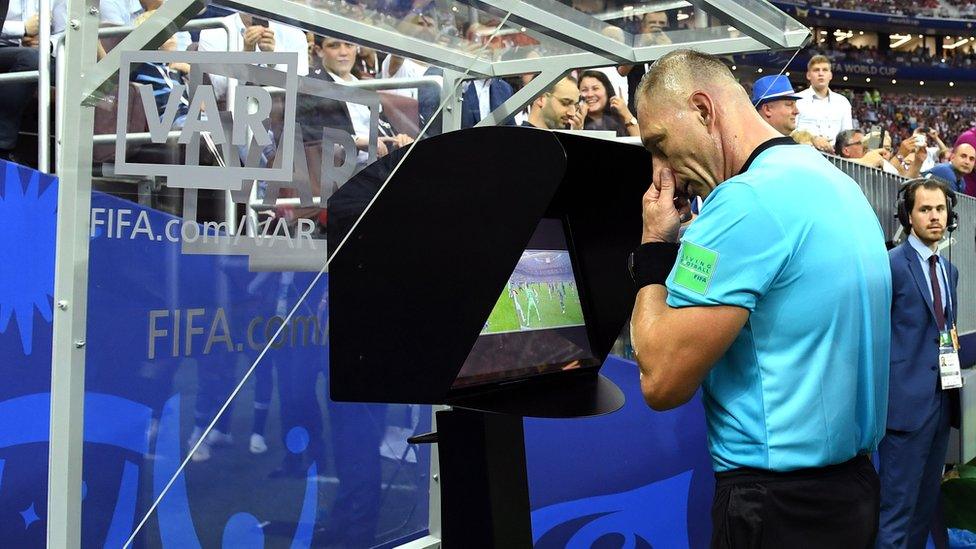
[
  {"x": 676, "y": 347},
  {"x": 651, "y": 345}
]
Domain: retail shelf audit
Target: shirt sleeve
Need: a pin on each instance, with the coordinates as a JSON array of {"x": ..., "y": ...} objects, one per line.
[
  {"x": 13, "y": 29},
  {"x": 114, "y": 13},
  {"x": 731, "y": 254},
  {"x": 847, "y": 123},
  {"x": 290, "y": 39},
  {"x": 301, "y": 46},
  {"x": 59, "y": 16}
]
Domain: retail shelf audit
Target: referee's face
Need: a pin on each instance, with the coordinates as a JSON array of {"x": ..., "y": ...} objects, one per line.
[{"x": 678, "y": 137}]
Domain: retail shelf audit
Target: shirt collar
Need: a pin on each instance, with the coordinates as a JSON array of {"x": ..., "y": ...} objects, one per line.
[
  {"x": 817, "y": 97},
  {"x": 921, "y": 249},
  {"x": 762, "y": 147},
  {"x": 339, "y": 80}
]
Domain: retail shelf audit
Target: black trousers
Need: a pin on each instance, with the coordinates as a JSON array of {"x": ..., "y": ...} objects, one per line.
[
  {"x": 15, "y": 95},
  {"x": 828, "y": 507}
]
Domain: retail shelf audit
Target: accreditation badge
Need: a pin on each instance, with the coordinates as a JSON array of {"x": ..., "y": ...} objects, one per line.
[{"x": 950, "y": 374}]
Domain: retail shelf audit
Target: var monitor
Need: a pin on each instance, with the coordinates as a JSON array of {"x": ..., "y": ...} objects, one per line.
[{"x": 538, "y": 324}]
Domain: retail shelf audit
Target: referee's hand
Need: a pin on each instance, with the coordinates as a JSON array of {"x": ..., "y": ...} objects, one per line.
[{"x": 661, "y": 216}]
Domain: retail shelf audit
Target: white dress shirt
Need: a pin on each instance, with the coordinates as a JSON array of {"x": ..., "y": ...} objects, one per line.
[
  {"x": 931, "y": 159},
  {"x": 123, "y": 13},
  {"x": 119, "y": 12},
  {"x": 408, "y": 69},
  {"x": 826, "y": 116},
  {"x": 359, "y": 115},
  {"x": 287, "y": 39},
  {"x": 924, "y": 253},
  {"x": 483, "y": 88},
  {"x": 19, "y": 11}
]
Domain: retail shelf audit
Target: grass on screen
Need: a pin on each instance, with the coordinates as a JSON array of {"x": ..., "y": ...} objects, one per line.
[{"x": 504, "y": 317}]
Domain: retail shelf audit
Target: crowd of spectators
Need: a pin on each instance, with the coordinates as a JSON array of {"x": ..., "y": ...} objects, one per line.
[
  {"x": 958, "y": 58},
  {"x": 900, "y": 114},
  {"x": 966, "y": 8},
  {"x": 924, "y": 8}
]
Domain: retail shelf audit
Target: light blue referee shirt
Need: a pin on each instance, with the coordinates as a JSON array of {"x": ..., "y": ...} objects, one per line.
[{"x": 793, "y": 240}]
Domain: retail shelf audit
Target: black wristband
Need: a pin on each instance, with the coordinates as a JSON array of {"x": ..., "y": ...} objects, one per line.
[{"x": 651, "y": 263}]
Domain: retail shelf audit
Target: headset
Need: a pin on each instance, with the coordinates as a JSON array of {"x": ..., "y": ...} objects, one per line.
[{"x": 903, "y": 212}]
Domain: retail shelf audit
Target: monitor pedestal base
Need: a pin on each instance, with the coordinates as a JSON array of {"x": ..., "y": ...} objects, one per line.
[{"x": 484, "y": 483}]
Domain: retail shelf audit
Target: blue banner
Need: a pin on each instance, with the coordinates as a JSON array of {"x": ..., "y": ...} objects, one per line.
[
  {"x": 633, "y": 478},
  {"x": 170, "y": 336},
  {"x": 875, "y": 70}
]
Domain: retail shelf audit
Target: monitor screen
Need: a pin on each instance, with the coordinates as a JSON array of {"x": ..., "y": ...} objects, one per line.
[{"x": 537, "y": 325}]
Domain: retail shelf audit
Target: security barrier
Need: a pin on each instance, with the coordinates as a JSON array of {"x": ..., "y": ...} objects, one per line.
[{"x": 881, "y": 190}]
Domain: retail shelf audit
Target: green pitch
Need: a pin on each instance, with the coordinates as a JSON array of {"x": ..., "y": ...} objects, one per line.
[{"x": 505, "y": 318}]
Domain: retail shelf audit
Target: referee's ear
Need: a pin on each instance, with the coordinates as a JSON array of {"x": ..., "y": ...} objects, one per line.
[{"x": 702, "y": 102}]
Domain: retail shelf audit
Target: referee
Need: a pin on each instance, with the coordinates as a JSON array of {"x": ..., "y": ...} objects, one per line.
[{"x": 777, "y": 303}]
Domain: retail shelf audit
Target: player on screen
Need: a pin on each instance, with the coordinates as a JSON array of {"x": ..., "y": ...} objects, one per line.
[
  {"x": 513, "y": 293},
  {"x": 561, "y": 292},
  {"x": 530, "y": 295}
]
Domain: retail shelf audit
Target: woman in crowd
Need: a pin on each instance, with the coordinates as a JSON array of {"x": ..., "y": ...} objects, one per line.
[{"x": 603, "y": 108}]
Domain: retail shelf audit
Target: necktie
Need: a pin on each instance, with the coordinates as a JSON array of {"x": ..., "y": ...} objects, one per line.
[{"x": 936, "y": 293}]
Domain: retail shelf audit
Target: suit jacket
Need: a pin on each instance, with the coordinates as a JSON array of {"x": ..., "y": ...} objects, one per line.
[
  {"x": 498, "y": 92},
  {"x": 316, "y": 112},
  {"x": 913, "y": 388}
]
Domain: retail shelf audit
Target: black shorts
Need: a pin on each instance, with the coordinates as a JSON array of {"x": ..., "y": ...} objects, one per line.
[{"x": 827, "y": 507}]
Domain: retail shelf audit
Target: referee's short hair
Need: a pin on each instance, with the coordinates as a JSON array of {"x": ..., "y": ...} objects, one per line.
[{"x": 679, "y": 68}]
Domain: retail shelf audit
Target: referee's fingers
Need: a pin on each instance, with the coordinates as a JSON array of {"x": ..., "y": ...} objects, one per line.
[{"x": 667, "y": 186}]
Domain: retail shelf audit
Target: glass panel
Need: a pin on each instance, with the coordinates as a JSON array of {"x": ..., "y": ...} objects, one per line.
[
  {"x": 208, "y": 421},
  {"x": 649, "y": 22},
  {"x": 207, "y": 355},
  {"x": 772, "y": 14},
  {"x": 453, "y": 25}
]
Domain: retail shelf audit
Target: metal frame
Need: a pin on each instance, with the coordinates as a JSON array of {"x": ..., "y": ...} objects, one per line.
[
  {"x": 77, "y": 127},
  {"x": 554, "y": 68},
  {"x": 563, "y": 29},
  {"x": 151, "y": 34},
  {"x": 43, "y": 78},
  {"x": 44, "y": 86},
  {"x": 71, "y": 292},
  {"x": 59, "y": 72},
  {"x": 649, "y": 7},
  {"x": 740, "y": 17}
]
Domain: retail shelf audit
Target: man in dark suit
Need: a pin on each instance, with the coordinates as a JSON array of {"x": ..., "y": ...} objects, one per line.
[
  {"x": 337, "y": 58},
  {"x": 923, "y": 312},
  {"x": 482, "y": 97}
]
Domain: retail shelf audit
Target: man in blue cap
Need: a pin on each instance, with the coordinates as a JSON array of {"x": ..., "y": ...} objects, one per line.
[{"x": 774, "y": 98}]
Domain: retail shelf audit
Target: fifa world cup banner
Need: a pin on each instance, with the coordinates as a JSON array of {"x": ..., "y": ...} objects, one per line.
[{"x": 170, "y": 336}]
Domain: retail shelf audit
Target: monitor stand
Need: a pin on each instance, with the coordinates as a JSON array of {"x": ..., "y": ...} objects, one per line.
[{"x": 483, "y": 479}]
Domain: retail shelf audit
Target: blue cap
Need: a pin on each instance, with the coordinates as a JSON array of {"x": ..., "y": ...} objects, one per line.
[{"x": 771, "y": 88}]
